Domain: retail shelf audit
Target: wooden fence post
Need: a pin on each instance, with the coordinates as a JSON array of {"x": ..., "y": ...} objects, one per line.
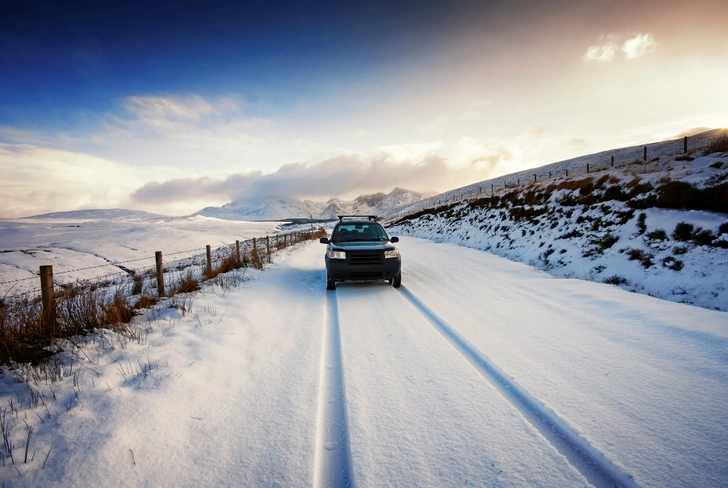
[
  {"x": 645, "y": 156},
  {"x": 49, "y": 300},
  {"x": 612, "y": 160},
  {"x": 160, "y": 273},
  {"x": 587, "y": 168},
  {"x": 685, "y": 144},
  {"x": 255, "y": 245},
  {"x": 237, "y": 251},
  {"x": 208, "y": 269},
  {"x": 534, "y": 178},
  {"x": 267, "y": 247}
]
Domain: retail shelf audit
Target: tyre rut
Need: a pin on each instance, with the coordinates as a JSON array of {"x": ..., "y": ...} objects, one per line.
[
  {"x": 333, "y": 466},
  {"x": 593, "y": 464}
]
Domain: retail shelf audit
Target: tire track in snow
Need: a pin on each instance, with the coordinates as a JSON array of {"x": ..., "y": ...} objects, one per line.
[
  {"x": 333, "y": 467},
  {"x": 595, "y": 466}
]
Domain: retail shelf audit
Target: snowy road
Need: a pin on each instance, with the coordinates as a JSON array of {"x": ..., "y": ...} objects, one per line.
[{"x": 477, "y": 372}]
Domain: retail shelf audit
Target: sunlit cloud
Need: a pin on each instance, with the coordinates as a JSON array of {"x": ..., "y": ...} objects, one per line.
[
  {"x": 605, "y": 51},
  {"x": 38, "y": 180},
  {"x": 417, "y": 167},
  {"x": 188, "y": 132},
  {"x": 470, "y": 153},
  {"x": 152, "y": 109},
  {"x": 609, "y": 46},
  {"x": 410, "y": 152},
  {"x": 638, "y": 46}
]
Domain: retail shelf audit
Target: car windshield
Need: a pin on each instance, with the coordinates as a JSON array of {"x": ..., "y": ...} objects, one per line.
[{"x": 359, "y": 231}]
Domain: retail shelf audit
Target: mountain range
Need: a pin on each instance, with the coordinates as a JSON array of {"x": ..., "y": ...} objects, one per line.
[{"x": 285, "y": 209}]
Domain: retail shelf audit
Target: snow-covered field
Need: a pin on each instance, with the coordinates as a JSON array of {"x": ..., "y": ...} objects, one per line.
[
  {"x": 90, "y": 245},
  {"x": 478, "y": 372}
]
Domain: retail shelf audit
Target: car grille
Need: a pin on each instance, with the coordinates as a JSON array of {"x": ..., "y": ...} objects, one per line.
[
  {"x": 360, "y": 258},
  {"x": 361, "y": 275}
]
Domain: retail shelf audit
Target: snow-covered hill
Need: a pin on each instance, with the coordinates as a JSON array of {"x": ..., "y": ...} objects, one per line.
[
  {"x": 665, "y": 151},
  {"x": 281, "y": 209},
  {"x": 94, "y": 214},
  {"x": 658, "y": 227},
  {"x": 271, "y": 209}
]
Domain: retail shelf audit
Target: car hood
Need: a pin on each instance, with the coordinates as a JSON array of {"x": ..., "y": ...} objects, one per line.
[{"x": 362, "y": 246}]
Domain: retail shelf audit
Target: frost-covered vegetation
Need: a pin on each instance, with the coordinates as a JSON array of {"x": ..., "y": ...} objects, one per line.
[{"x": 658, "y": 227}]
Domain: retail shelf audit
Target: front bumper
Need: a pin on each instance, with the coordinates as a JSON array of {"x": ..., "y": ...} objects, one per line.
[{"x": 363, "y": 267}]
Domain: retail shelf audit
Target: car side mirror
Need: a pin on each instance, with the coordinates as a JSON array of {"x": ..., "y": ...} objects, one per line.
[
  {"x": 324, "y": 240},
  {"x": 394, "y": 239}
]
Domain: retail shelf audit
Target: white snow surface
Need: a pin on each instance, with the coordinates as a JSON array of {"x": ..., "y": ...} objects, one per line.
[
  {"x": 228, "y": 387},
  {"x": 88, "y": 245}
]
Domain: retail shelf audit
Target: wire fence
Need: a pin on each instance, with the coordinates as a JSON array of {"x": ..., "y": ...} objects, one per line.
[
  {"x": 126, "y": 273},
  {"x": 582, "y": 166},
  {"x": 30, "y": 322}
]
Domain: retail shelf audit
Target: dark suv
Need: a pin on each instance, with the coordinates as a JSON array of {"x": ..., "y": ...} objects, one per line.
[{"x": 359, "y": 250}]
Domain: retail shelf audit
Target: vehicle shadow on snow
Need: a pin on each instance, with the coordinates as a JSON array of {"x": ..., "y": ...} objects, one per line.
[
  {"x": 315, "y": 279},
  {"x": 361, "y": 286}
]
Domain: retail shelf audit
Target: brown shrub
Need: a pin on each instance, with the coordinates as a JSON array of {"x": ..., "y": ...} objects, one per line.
[
  {"x": 634, "y": 182},
  {"x": 718, "y": 145},
  {"x": 187, "y": 284},
  {"x": 145, "y": 301},
  {"x": 601, "y": 181},
  {"x": 576, "y": 184},
  {"x": 117, "y": 312}
]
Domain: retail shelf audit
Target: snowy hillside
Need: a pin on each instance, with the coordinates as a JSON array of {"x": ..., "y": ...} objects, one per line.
[
  {"x": 613, "y": 158},
  {"x": 279, "y": 209},
  {"x": 91, "y": 214},
  {"x": 658, "y": 227}
]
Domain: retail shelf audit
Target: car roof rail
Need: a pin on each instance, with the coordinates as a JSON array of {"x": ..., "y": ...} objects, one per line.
[{"x": 359, "y": 217}]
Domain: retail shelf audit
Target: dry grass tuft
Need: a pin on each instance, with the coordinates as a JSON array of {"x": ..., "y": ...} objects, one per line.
[
  {"x": 26, "y": 336},
  {"x": 719, "y": 145},
  {"x": 145, "y": 301},
  {"x": 187, "y": 284}
]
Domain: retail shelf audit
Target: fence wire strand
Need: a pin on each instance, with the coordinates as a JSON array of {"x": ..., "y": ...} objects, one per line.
[{"x": 197, "y": 259}]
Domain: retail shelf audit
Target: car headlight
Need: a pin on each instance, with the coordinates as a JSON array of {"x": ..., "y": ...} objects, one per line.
[
  {"x": 392, "y": 253},
  {"x": 336, "y": 254}
]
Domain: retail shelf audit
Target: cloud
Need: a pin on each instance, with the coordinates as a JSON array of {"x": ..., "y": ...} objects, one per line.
[
  {"x": 187, "y": 132},
  {"x": 604, "y": 51},
  {"x": 410, "y": 152},
  {"x": 610, "y": 45},
  {"x": 38, "y": 180},
  {"x": 639, "y": 46},
  {"x": 152, "y": 109},
  {"x": 472, "y": 154},
  {"x": 413, "y": 166}
]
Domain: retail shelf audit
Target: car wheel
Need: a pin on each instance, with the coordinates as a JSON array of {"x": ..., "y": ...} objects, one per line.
[
  {"x": 397, "y": 282},
  {"x": 330, "y": 284}
]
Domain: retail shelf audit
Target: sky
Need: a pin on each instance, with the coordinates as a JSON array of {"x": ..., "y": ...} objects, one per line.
[{"x": 173, "y": 107}]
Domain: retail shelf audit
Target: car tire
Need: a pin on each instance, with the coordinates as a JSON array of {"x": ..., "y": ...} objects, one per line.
[
  {"x": 330, "y": 284},
  {"x": 397, "y": 281}
]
